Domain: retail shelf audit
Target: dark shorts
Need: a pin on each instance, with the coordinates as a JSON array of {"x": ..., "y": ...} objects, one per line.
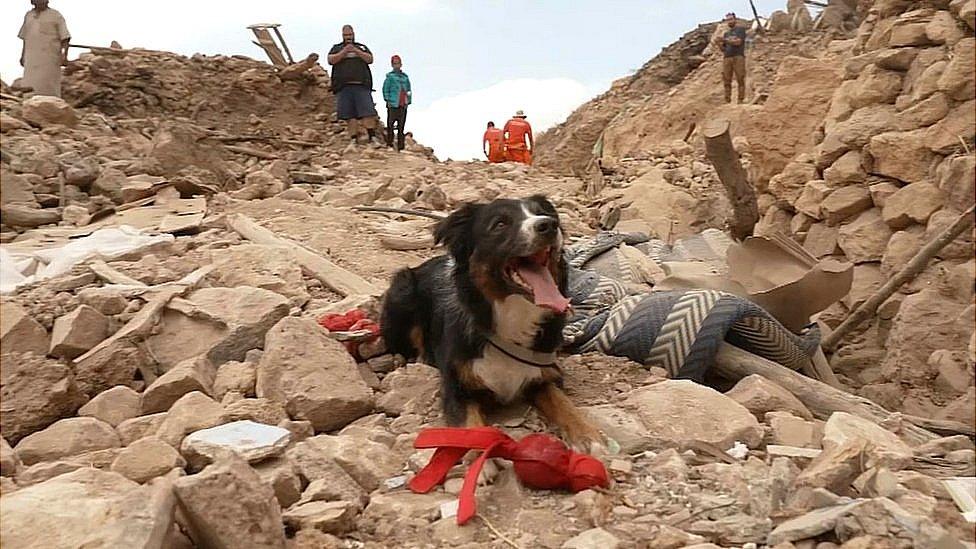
[{"x": 354, "y": 101}]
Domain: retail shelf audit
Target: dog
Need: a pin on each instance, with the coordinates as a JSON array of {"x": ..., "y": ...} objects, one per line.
[{"x": 489, "y": 314}]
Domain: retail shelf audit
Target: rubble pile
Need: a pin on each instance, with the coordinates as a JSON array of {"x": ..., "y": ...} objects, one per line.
[{"x": 182, "y": 391}]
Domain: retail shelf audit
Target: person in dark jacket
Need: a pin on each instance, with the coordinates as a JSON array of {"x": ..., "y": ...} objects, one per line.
[
  {"x": 352, "y": 82},
  {"x": 733, "y": 43},
  {"x": 397, "y": 94}
]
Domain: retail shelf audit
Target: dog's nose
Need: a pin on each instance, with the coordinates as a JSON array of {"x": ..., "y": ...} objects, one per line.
[{"x": 545, "y": 226}]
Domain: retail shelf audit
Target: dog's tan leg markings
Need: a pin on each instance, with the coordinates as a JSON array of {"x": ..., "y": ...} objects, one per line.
[
  {"x": 473, "y": 416},
  {"x": 417, "y": 338},
  {"x": 556, "y": 406}
]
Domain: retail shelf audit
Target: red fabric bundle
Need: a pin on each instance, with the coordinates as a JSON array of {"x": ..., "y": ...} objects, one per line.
[
  {"x": 540, "y": 461},
  {"x": 352, "y": 320}
]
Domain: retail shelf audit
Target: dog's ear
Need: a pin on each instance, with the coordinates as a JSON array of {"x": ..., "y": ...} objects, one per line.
[{"x": 456, "y": 231}]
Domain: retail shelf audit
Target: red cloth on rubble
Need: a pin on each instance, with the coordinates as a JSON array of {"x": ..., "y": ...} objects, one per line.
[
  {"x": 540, "y": 461},
  {"x": 351, "y": 320}
]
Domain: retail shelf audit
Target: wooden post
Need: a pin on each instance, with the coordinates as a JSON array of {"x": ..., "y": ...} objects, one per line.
[
  {"x": 722, "y": 155},
  {"x": 755, "y": 14},
  {"x": 910, "y": 271}
]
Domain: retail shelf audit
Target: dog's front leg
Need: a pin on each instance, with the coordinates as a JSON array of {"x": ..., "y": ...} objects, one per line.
[{"x": 558, "y": 409}]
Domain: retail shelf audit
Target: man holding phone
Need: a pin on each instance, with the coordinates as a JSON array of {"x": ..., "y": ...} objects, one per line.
[
  {"x": 352, "y": 82},
  {"x": 734, "y": 50}
]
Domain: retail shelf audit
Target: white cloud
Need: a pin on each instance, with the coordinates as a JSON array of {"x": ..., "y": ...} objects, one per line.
[{"x": 454, "y": 125}]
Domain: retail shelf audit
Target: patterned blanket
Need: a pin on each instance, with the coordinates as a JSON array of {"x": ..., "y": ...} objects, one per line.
[{"x": 679, "y": 331}]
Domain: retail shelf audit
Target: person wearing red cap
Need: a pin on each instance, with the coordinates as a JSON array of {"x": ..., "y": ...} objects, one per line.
[
  {"x": 518, "y": 139},
  {"x": 493, "y": 144},
  {"x": 397, "y": 94},
  {"x": 734, "y": 50}
]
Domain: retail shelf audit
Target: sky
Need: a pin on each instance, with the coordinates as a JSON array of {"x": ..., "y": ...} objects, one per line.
[{"x": 469, "y": 61}]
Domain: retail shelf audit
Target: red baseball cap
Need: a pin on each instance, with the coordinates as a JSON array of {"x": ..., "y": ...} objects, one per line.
[{"x": 395, "y": 59}]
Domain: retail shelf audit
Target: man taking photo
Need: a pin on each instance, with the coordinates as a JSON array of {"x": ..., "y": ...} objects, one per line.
[{"x": 352, "y": 83}]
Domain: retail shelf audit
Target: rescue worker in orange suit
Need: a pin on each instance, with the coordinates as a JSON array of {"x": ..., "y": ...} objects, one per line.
[
  {"x": 518, "y": 139},
  {"x": 493, "y": 144}
]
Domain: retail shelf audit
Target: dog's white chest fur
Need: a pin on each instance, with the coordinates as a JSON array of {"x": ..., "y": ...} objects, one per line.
[{"x": 505, "y": 376}]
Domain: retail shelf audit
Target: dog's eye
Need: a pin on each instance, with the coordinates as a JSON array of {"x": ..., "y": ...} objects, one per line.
[{"x": 499, "y": 224}]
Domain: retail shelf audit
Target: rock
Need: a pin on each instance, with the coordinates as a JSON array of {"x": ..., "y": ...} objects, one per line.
[
  {"x": 924, "y": 113},
  {"x": 875, "y": 85},
  {"x": 334, "y": 484},
  {"x": 251, "y": 441},
  {"x": 77, "y": 332},
  {"x": 397, "y": 506},
  {"x": 35, "y": 393},
  {"x": 235, "y": 377},
  {"x": 19, "y": 332},
  {"x": 867, "y": 280},
  {"x": 900, "y": 527},
  {"x": 259, "y": 184},
  {"x": 9, "y": 462},
  {"x": 135, "y": 428},
  {"x": 113, "y": 406},
  {"x": 111, "y": 365},
  {"x": 856, "y": 131},
  {"x": 881, "y": 191},
  {"x": 896, "y": 59},
  {"x": 195, "y": 374},
  {"x": 67, "y": 437},
  {"x": 965, "y": 10},
  {"x": 621, "y": 426},
  {"x": 902, "y": 248},
  {"x": 312, "y": 375},
  {"x": 845, "y": 170},
  {"x": 260, "y": 410},
  {"x": 811, "y": 524},
  {"x": 296, "y": 194},
  {"x": 409, "y": 390},
  {"x": 953, "y": 372},
  {"x": 821, "y": 240},
  {"x": 760, "y": 395},
  {"x": 368, "y": 463},
  {"x": 192, "y": 412},
  {"x": 227, "y": 505},
  {"x": 705, "y": 415},
  {"x": 594, "y": 538},
  {"x": 15, "y": 188},
  {"x": 9, "y": 123},
  {"x": 282, "y": 475},
  {"x": 331, "y": 517},
  {"x": 865, "y": 238},
  {"x": 45, "y": 111},
  {"x": 883, "y": 448},
  {"x": 88, "y": 508},
  {"x": 834, "y": 469},
  {"x": 962, "y": 409},
  {"x": 845, "y": 202},
  {"x": 901, "y": 155},
  {"x": 960, "y": 124},
  {"x": 925, "y": 322},
  {"x": 243, "y": 315},
  {"x": 812, "y": 196},
  {"x": 736, "y": 529},
  {"x": 788, "y": 184},
  {"x": 272, "y": 268},
  {"x": 147, "y": 458},
  {"x": 957, "y": 179},
  {"x": 910, "y": 34},
  {"x": 943, "y": 29},
  {"x": 104, "y": 301},
  {"x": 961, "y": 248},
  {"x": 109, "y": 183},
  {"x": 75, "y": 215},
  {"x": 957, "y": 80},
  {"x": 789, "y": 430}
]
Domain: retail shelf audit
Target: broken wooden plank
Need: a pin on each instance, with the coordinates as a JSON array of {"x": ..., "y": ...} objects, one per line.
[
  {"x": 406, "y": 243},
  {"x": 335, "y": 277},
  {"x": 252, "y": 152}
]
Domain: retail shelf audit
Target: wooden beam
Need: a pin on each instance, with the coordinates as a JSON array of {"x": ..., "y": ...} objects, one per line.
[
  {"x": 339, "y": 279},
  {"x": 822, "y": 399},
  {"x": 722, "y": 155}
]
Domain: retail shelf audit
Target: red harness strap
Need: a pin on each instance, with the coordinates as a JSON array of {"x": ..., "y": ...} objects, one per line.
[{"x": 540, "y": 461}]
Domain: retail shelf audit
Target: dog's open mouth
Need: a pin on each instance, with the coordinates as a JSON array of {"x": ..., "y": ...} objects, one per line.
[{"x": 531, "y": 273}]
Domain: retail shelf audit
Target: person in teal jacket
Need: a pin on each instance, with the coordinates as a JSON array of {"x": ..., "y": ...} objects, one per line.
[{"x": 396, "y": 92}]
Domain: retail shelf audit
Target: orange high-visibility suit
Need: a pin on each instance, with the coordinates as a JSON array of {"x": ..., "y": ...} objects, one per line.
[
  {"x": 516, "y": 132},
  {"x": 495, "y": 139}
]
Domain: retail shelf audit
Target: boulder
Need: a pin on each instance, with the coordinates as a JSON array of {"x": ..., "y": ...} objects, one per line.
[
  {"x": 957, "y": 80},
  {"x": 924, "y": 113},
  {"x": 959, "y": 125},
  {"x": 902, "y": 248},
  {"x": 966, "y": 11},
  {"x": 135, "y": 428},
  {"x": 88, "y": 508},
  {"x": 678, "y": 412},
  {"x": 272, "y": 268},
  {"x": 251, "y": 441},
  {"x": 811, "y": 197},
  {"x": 368, "y": 463},
  {"x": 959, "y": 249},
  {"x": 67, "y": 437},
  {"x": 957, "y": 179},
  {"x": 896, "y": 59},
  {"x": 235, "y": 377},
  {"x": 241, "y": 316},
  {"x": 865, "y": 238},
  {"x": 192, "y": 412},
  {"x": 227, "y": 505},
  {"x": 260, "y": 410},
  {"x": 883, "y": 448},
  {"x": 821, "y": 240},
  {"x": 113, "y": 406},
  {"x": 788, "y": 184},
  {"x": 9, "y": 462},
  {"x": 409, "y": 390},
  {"x": 875, "y": 85},
  {"x": 397, "y": 506},
  {"x": 845, "y": 170},
  {"x": 953, "y": 372},
  {"x": 901, "y": 155},
  {"x": 35, "y": 393},
  {"x": 834, "y": 469},
  {"x": 19, "y": 333},
  {"x": 103, "y": 300},
  {"x": 810, "y": 525},
  {"x": 77, "y": 332},
  {"x": 15, "y": 188},
  {"x": 944, "y": 29},
  {"x": 621, "y": 426},
  {"x": 881, "y": 191},
  {"x": 9, "y": 123},
  {"x": 312, "y": 375},
  {"x": 867, "y": 280},
  {"x": 282, "y": 475},
  {"x": 332, "y": 517},
  {"x": 785, "y": 429},
  {"x": 46, "y": 110},
  {"x": 912, "y": 203},
  {"x": 760, "y": 395},
  {"x": 194, "y": 374},
  {"x": 926, "y": 321},
  {"x": 111, "y": 365},
  {"x": 845, "y": 202},
  {"x": 334, "y": 484},
  {"x": 146, "y": 459}
]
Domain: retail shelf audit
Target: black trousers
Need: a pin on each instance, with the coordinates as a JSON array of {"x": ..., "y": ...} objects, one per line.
[{"x": 395, "y": 116}]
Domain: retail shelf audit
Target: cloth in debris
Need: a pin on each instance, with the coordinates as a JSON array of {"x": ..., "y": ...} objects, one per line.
[
  {"x": 42, "y": 33},
  {"x": 678, "y": 330},
  {"x": 351, "y": 321}
]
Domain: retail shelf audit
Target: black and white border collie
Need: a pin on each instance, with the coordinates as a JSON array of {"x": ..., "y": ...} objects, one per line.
[{"x": 490, "y": 314}]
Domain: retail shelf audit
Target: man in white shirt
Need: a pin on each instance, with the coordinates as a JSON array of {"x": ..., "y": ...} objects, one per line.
[{"x": 46, "y": 39}]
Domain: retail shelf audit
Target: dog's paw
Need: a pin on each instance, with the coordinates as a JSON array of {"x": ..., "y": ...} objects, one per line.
[{"x": 488, "y": 473}]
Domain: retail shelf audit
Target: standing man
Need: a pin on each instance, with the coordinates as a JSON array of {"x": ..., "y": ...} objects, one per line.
[
  {"x": 518, "y": 139},
  {"x": 493, "y": 144},
  {"x": 45, "y": 50},
  {"x": 352, "y": 82},
  {"x": 734, "y": 48},
  {"x": 397, "y": 94}
]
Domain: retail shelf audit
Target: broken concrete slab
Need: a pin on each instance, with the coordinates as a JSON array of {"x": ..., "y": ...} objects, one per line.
[
  {"x": 194, "y": 374},
  {"x": 312, "y": 375},
  {"x": 19, "y": 332},
  {"x": 228, "y": 505},
  {"x": 113, "y": 406},
  {"x": 35, "y": 392},
  {"x": 251, "y": 441},
  {"x": 146, "y": 459},
  {"x": 88, "y": 508},
  {"x": 67, "y": 437},
  {"x": 77, "y": 332},
  {"x": 785, "y": 429}
]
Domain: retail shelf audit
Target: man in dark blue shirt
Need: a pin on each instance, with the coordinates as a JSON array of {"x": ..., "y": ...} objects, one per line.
[
  {"x": 352, "y": 82},
  {"x": 734, "y": 49}
]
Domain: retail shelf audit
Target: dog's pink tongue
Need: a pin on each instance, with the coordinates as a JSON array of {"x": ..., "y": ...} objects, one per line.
[{"x": 544, "y": 289}]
